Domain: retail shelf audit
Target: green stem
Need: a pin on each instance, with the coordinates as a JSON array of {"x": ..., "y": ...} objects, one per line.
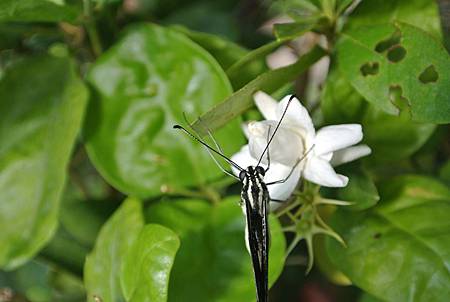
[{"x": 91, "y": 28}]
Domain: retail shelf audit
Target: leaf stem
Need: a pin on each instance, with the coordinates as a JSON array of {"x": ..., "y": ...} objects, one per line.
[{"x": 91, "y": 28}]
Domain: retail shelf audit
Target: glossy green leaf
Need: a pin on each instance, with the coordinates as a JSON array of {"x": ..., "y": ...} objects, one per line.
[
  {"x": 146, "y": 269},
  {"x": 38, "y": 129},
  {"x": 421, "y": 13},
  {"x": 390, "y": 137},
  {"x": 360, "y": 190},
  {"x": 213, "y": 250},
  {"x": 143, "y": 85},
  {"x": 242, "y": 99},
  {"x": 102, "y": 268},
  {"x": 399, "y": 250},
  {"x": 38, "y": 10},
  {"x": 397, "y": 68}
]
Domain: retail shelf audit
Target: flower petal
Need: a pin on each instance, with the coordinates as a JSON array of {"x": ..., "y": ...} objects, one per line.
[
  {"x": 284, "y": 190},
  {"x": 319, "y": 171},
  {"x": 281, "y": 57},
  {"x": 244, "y": 127},
  {"x": 349, "y": 154},
  {"x": 298, "y": 117},
  {"x": 243, "y": 159},
  {"x": 276, "y": 172},
  {"x": 285, "y": 148},
  {"x": 332, "y": 138},
  {"x": 266, "y": 105}
]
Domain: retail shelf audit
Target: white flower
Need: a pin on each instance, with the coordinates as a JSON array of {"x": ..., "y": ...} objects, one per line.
[{"x": 296, "y": 138}]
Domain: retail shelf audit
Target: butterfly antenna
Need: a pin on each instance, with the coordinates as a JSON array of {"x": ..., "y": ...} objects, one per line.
[
  {"x": 276, "y": 128},
  {"x": 209, "y": 147}
]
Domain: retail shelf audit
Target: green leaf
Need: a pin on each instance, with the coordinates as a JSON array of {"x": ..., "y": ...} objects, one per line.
[
  {"x": 254, "y": 55},
  {"x": 444, "y": 172},
  {"x": 242, "y": 99},
  {"x": 224, "y": 51},
  {"x": 420, "y": 13},
  {"x": 38, "y": 11},
  {"x": 40, "y": 282},
  {"x": 398, "y": 68},
  {"x": 228, "y": 54},
  {"x": 393, "y": 137},
  {"x": 399, "y": 250},
  {"x": 361, "y": 189},
  {"x": 38, "y": 129},
  {"x": 292, "y": 30},
  {"x": 146, "y": 270},
  {"x": 141, "y": 92},
  {"x": 102, "y": 268},
  {"x": 390, "y": 137},
  {"x": 368, "y": 298},
  {"x": 213, "y": 250}
]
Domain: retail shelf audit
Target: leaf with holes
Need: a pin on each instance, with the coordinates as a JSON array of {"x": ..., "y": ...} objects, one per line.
[
  {"x": 143, "y": 85},
  {"x": 38, "y": 128},
  {"x": 399, "y": 250},
  {"x": 391, "y": 138},
  {"x": 212, "y": 250},
  {"x": 398, "y": 67}
]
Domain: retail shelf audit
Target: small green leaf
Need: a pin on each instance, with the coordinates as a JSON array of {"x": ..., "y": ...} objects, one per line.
[
  {"x": 38, "y": 11},
  {"x": 242, "y": 99},
  {"x": 386, "y": 64},
  {"x": 399, "y": 250},
  {"x": 146, "y": 269},
  {"x": 102, "y": 268},
  {"x": 213, "y": 250},
  {"x": 38, "y": 129},
  {"x": 390, "y": 137},
  {"x": 141, "y": 92},
  {"x": 292, "y": 30}
]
